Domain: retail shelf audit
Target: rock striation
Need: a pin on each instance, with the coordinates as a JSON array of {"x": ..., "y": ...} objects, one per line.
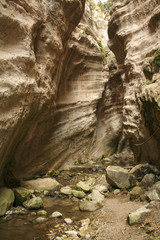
[
  {"x": 33, "y": 51},
  {"x": 52, "y": 79},
  {"x": 134, "y": 31}
]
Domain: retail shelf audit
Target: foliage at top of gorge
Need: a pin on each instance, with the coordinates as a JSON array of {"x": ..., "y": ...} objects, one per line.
[{"x": 102, "y": 7}]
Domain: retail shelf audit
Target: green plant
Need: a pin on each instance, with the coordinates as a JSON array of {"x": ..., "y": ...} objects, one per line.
[
  {"x": 147, "y": 82},
  {"x": 104, "y": 54},
  {"x": 105, "y": 6}
]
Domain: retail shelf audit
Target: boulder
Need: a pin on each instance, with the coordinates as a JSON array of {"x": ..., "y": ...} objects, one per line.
[
  {"x": 83, "y": 186},
  {"x": 21, "y": 195},
  {"x": 119, "y": 177},
  {"x": 148, "y": 180},
  {"x": 33, "y": 203},
  {"x": 90, "y": 206},
  {"x": 140, "y": 170},
  {"x": 6, "y": 200},
  {"x": 78, "y": 194},
  {"x": 154, "y": 192},
  {"x": 138, "y": 216},
  {"x": 41, "y": 183}
]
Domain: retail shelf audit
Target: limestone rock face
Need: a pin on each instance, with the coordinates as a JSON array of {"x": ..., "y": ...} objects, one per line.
[
  {"x": 134, "y": 31},
  {"x": 33, "y": 51}
]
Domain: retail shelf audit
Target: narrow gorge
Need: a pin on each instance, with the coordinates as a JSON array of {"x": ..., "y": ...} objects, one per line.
[{"x": 80, "y": 118}]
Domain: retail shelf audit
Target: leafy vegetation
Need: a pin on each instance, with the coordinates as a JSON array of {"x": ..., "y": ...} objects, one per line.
[
  {"x": 102, "y": 50},
  {"x": 106, "y": 6},
  {"x": 156, "y": 58},
  {"x": 147, "y": 82}
]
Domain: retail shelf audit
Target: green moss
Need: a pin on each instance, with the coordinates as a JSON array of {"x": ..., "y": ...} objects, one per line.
[
  {"x": 147, "y": 82},
  {"x": 155, "y": 60},
  {"x": 104, "y": 54}
]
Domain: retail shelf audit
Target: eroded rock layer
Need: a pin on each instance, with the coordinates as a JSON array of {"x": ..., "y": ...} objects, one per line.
[
  {"x": 52, "y": 78},
  {"x": 33, "y": 51},
  {"x": 134, "y": 32}
]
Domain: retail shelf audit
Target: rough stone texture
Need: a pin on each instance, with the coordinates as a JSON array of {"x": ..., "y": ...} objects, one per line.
[
  {"x": 6, "y": 200},
  {"x": 41, "y": 183},
  {"x": 134, "y": 31},
  {"x": 33, "y": 53},
  {"x": 52, "y": 79},
  {"x": 90, "y": 206},
  {"x": 138, "y": 216},
  {"x": 21, "y": 195},
  {"x": 140, "y": 170},
  {"x": 154, "y": 192},
  {"x": 119, "y": 177},
  {"x": 33, "y": 203}
]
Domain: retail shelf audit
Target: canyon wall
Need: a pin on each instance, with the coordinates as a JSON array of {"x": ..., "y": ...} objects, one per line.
[
  {"x": 53, "y": 75},
  {"x": 33, "y": 49},
  {"x": 134, "y": 33}
]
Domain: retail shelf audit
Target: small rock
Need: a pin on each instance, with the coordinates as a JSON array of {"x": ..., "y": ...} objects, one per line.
[
  {"x": 78, "y": 194},
  {"x": 42, "y": 213},
  {"x": 83, "y": 186},
  {"x": 90, "y": 206},
  {"x": 71, "y": 233},
  {"x": 33, "y": 203},
  {"x": 66, "y": 190},
  {"x": 148, "y": 180},
  {"x": 41, "y": 220},
  {"x": 46, "y": 193},
  {"x": 56, "y": 214},
  {"x": 87, "y": 236},
  {"x": 138, "y": 215},
  {"x": 100, "y": 188},
  {"x": 116, "y": 191},
  {"x": 90, "y": 181},
  {"x": 119, "y": 177},
  {"x": 33, "y": 214},
  {"x": 74, "y": 199},
  {"x": 85, "y": 222},
  {"x": 68, "y": 220},
  {"x": 136, "y": 193}
]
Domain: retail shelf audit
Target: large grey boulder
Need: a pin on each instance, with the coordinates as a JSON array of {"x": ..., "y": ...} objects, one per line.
[
  {"x": 21, "y": 195},
  {"x": 154, "y": 192},
  {"x": 6, "y": 200},
  {"x": 138, "y": 216},
  {"x": 119, "y": 177},
  {"x": 33, "y": 203}
]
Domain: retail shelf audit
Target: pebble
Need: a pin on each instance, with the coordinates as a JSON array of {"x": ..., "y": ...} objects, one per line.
[
  {"x": 68, "y": 220},
  {"x": 71, "y": 233},
  {"x": 41, "y": 219},
  {"x": 87, "y": 236},
  {"x": 56, "y": 214}
]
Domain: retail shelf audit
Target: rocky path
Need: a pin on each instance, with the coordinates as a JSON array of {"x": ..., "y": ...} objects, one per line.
[{"x": 84, "y": 206}]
